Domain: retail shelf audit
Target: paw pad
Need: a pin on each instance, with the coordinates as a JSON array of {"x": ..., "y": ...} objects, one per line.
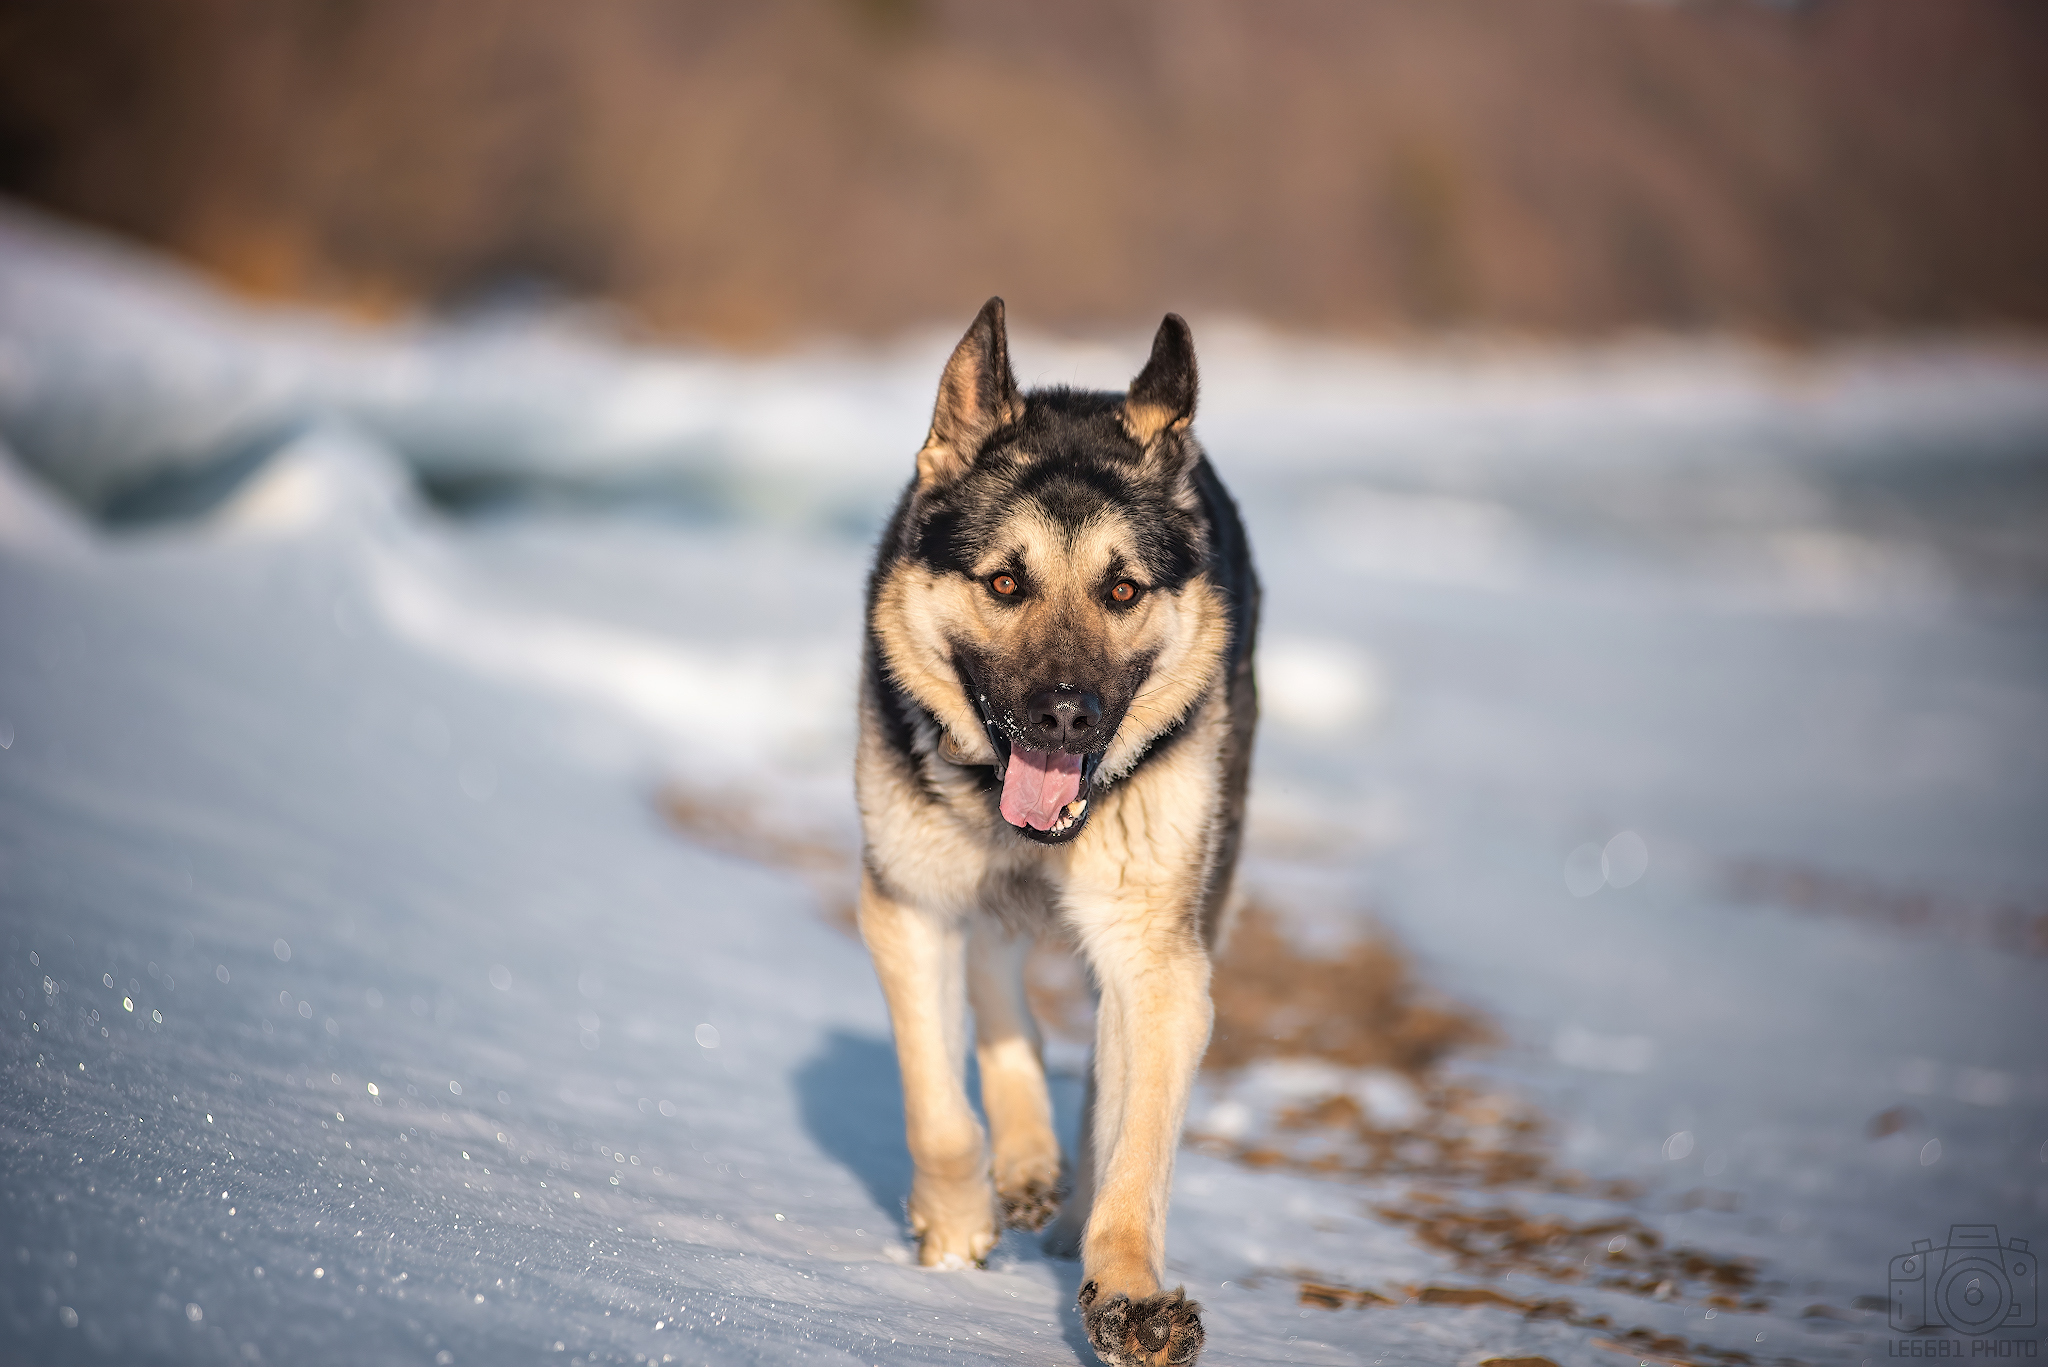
[{"x": 1160, "y": 1331}]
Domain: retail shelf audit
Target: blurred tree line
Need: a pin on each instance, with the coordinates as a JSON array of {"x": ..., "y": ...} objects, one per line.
[{"x": 755, "y": 172}]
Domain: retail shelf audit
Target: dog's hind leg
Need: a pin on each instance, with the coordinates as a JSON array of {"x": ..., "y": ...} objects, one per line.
[
  {"x": 1026, "y": 1150},
  {"x": 920, "y": 958},
  {"x": 1152, "y": 1026}
]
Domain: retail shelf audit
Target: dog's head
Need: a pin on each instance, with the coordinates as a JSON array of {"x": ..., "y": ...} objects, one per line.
[{"x": 1044, "y": 594}]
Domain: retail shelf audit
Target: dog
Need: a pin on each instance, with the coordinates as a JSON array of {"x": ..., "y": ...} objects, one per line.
[{"x": 1056, "y": 721}]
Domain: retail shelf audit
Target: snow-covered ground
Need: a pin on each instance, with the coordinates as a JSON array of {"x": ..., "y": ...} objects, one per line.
[{"x": 362, "y": 1007}]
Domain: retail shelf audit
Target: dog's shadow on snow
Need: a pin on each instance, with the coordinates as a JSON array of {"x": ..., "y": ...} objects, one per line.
[
  {"x": 851, "y": 1099},
  {"x": 852, "y": 1103}
]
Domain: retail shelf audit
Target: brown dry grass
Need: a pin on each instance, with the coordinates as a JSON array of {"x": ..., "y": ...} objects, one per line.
[
  {"x": 1619, "y": 1253},
  {"x": 2013, "y": 926},
  {"x": 1647, "y": 1345},
  {"x": 776, "y": 170},
  {"x": 1361, "y": 1007}
]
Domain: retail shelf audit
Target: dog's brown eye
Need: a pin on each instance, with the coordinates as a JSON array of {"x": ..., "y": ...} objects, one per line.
[
  {"x": 1124, "y": 592},
  {"x": 1003, "y": 584}
]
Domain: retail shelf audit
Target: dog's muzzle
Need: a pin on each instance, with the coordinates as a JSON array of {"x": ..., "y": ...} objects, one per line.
[{"x": 1074, "y": 815}]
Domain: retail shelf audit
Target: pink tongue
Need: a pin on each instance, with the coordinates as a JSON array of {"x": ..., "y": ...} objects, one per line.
[{"x": 1037, "y": 784}]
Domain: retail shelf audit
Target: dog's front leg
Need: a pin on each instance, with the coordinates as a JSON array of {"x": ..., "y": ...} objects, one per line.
[
  {"x": 1152, "y": 1026},
  {"x": 920, "y": 957}
]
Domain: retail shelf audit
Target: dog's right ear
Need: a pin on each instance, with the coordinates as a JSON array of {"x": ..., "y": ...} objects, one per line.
[{"x": 977, "y": 395}]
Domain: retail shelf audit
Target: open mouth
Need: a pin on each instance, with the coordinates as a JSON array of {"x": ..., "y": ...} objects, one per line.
[{"x": 1045, "y": 792}]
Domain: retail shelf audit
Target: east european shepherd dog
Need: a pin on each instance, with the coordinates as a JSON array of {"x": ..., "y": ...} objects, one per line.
[{"x": 1056, "y": 726}]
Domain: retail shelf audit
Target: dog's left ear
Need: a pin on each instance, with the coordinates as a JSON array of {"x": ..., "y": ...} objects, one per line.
[{"x": 1161, "y": 402}]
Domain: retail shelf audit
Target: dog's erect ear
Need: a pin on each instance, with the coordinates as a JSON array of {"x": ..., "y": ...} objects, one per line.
[
  {"x": 1162, "y": 399},
  {"x": 977, "y": 395}
]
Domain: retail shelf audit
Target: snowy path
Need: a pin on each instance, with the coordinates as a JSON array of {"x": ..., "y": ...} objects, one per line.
[{"x": 310, "y": 792}]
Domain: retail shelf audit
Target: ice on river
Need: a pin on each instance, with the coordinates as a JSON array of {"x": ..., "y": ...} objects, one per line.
[{"x": 1682, "y": 708}]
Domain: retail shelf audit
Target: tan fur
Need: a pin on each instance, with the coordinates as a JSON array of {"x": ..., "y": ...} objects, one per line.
[
  {"x": 1146, "y": 422},
  {"x": 1128, "y": 899},
  {"x": 918, "y": 958},
  {"x": 1127, "y": 888},
  {"x": 921, "y": 613},
  {"x": 1013, "y": 1093},
  {"x": 953, "y": 894}
]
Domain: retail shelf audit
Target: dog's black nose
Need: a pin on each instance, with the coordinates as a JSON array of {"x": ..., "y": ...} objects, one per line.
[{"x": 1064, "y": 717}]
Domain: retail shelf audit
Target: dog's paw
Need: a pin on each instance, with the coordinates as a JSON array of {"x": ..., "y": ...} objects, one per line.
[
  {"x": 956, "y": 1249},
  {"x": 1031, "y": 1204},
  {"x": 954, "y": 1228},
  {"x": 1154, "y": 1332}
]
